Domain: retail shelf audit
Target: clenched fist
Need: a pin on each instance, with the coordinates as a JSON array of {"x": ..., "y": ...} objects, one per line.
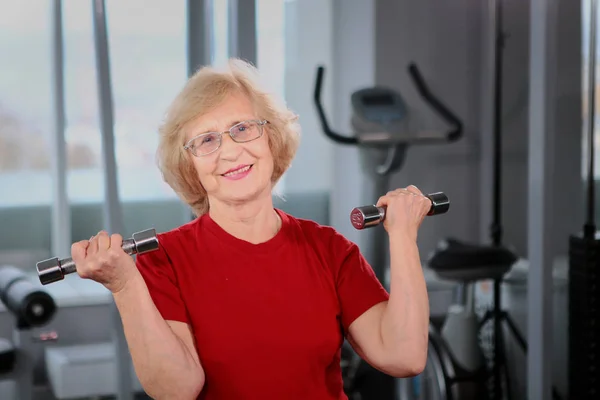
[
  {"x": 406, "y": 209},
  {"x": 102, "y": 259}
]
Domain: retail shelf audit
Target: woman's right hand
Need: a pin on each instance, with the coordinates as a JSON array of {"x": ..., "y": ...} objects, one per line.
[{"x": 102, "y": 259}]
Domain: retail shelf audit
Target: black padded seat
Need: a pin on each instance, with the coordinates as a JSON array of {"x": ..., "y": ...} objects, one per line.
[
  {"x": 8, "y": 356},
  {"x": 456, "y": 260}
]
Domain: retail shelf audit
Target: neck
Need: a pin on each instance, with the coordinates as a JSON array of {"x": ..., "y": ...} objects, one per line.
[{"x": 255, "y": 221}]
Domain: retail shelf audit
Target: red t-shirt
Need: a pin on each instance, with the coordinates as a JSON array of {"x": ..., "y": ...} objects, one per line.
[{"x": 268, "y": 319}]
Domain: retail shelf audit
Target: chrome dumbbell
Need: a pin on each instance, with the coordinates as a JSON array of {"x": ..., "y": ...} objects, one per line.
[
  {"x": 369, "y": 216},
  {"x": 53, "y": 269}
]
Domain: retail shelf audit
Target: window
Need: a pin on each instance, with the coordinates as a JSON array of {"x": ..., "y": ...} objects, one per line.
[
  {"x": 26, "y": 120},
  {"x": 220, "y": 34},
  {"x": 148, "y": 66},
  {"x": 271, "y": 42},
  {"x": 270, "y": 49}
]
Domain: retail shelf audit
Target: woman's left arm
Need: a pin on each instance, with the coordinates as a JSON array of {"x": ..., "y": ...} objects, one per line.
[{"x": 393, "y": 335}]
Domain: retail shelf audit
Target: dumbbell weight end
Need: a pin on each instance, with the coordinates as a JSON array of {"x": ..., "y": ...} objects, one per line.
[
  {"x": 371, "y": 215},
  {"x": 54, "y": 269}
]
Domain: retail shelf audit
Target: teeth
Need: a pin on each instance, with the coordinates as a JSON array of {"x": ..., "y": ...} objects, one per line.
[{"x": 237, "y": 171}]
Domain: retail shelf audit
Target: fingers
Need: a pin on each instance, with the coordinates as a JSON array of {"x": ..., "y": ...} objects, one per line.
[
  {"x": 414, "y": 189},
  {"x": 426, "y": 201},
  {"x": 79, "y": 250},
  {"x": 103, "y": 240},
  {"x": 408, "y": 191},
  {"x": 383, "y": 201},
  {"x": 99, "y": 242},
  {"x": 116, "y": 241},
  {"x": 415, "y": 197}
]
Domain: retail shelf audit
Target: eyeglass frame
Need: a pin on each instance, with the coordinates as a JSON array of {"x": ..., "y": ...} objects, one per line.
[{"x": 261, "y": 124}]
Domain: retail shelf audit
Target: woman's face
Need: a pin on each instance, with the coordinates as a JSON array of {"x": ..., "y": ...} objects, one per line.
[{"x": 234, "y": 172}]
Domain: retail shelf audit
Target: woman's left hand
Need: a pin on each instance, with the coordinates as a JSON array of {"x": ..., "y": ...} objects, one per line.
[{"x": 406, "y": 209}]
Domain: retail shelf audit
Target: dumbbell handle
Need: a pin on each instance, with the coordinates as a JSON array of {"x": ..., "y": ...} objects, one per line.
[
  {"x": 371, "y": 215},
  {"x": 53, "y": 269}
]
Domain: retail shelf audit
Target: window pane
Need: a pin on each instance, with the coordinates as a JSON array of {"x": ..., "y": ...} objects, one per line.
[
  {"x": 147, "y": 65},
  {"x": 25, "y": 103},
  {"x": 271, "y": 57},
  {"x": 270, "y": 45},
  {"x": 220, "y": 36},
  {"x": 82, "y": 133}
]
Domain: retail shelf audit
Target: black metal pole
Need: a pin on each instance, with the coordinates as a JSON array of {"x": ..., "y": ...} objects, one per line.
[
  {"x": 496, "y": 226},
  {"x": 589, "y": 229},
  {"x": 584, "y": 262}
]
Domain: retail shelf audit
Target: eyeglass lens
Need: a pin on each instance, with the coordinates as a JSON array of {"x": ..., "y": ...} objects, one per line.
[{"x": 242, "y": 132}]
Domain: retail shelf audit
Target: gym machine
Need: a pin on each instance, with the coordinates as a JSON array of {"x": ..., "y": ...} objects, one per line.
[
  {"x": 382, "y": 133},
  {"x": 584, "y": 259},
  {"x": 32, "y": 308},
  {"x": 380, "y": 121}
]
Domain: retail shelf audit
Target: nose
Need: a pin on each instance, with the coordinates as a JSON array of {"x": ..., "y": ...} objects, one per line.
[{"x": 230, "y": 150}]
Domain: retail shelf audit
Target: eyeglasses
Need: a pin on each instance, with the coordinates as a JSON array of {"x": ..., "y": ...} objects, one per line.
[{"x": 210, "y": 142}]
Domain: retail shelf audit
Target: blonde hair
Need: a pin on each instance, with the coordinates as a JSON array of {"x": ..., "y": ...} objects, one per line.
[{"x": 205, "y": 90}]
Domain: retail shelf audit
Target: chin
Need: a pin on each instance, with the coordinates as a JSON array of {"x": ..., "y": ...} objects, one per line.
[{"x": 244, "y": 194}]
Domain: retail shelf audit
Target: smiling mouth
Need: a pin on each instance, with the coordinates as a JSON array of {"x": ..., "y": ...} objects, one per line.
[{"x": 238, "y": 171}]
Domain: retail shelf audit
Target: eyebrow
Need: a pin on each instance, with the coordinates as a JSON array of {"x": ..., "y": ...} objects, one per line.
[{"x": 231, "y": 124}]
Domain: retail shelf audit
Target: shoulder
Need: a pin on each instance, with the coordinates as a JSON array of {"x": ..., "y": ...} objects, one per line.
[
  {"x": 181, "y": 237},
  {"x": 174, "y": 242},
  {"x": 320, "y": 235}
]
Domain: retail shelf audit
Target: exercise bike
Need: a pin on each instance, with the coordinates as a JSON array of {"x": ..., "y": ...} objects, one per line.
[{"x": 380, "y": 122}]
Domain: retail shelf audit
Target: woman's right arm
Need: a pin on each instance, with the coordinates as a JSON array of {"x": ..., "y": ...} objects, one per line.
[{"x": 163, "y": 352}]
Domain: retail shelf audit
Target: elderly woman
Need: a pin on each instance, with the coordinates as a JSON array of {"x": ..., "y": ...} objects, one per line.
[{"x": 247, "y": 301}]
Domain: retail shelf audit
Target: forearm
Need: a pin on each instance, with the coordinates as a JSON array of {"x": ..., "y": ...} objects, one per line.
[
  {"x": 162, "y": 362},
  {"x": 405, "y": 321}
]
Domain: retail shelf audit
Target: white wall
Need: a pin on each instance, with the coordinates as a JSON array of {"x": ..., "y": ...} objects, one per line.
[
  {"x": 443, "y": 39},
  {"x": 309, "y": 43},
  {"x": 353, "y": 67}
]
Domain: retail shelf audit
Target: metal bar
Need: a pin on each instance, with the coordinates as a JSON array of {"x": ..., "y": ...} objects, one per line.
[
  {"x": 242, "y": 30},
  {"x": 25, "y": 366},
  {"x": 113, "y": 215},
  {"x": 199, "y": 34},
  {"x": 232, "y": 28},
  {"x": 486, "y": 147},
  {"x": 61, "y": 213},
  {"x": 590, "y": 224},
  {"x": 199, "y": 50},
  {"x": 542, "y": 104},
  {"x": 496, "y": 228}
]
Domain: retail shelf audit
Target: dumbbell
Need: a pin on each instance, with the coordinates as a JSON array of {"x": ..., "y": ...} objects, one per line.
[
  {"x": 371, "y": 215},
  {"x": 53, "y": 269}
]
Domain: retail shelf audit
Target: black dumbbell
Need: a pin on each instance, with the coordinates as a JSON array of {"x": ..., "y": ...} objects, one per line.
[
  {"x": 369, "y": 216},
  {"x": 53, "y": 269}
]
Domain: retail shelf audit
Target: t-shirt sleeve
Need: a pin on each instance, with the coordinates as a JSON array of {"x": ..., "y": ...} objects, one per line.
[
  {"x": 158, "y": 272},
  {"x": 357, "y": 285}
]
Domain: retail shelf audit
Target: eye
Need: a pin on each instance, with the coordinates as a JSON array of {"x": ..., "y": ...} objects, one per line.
[{"x": 242, "y": 127}]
